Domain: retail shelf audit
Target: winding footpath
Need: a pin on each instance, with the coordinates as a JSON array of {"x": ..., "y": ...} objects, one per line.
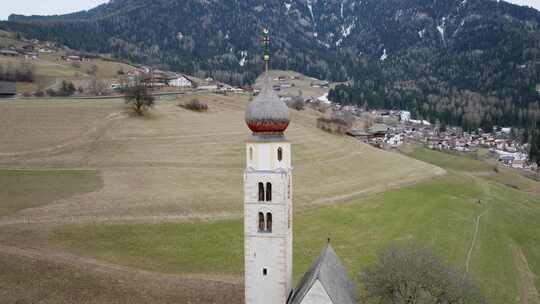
[{"x": 473, "y": 243}]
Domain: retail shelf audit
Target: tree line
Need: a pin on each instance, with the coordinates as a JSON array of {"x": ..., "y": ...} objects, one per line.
[{"x": 23, "y": 72}]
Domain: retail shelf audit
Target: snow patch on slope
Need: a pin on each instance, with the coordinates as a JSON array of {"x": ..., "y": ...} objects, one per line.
[
  {"x": 384, "y": 56},
  {"x": 288, "y": 6},
  {"x": 310, "y": 7},
  {"x": 346, "y": 31},
  {"x": 441, "y": 28},
  {"x": 243, "y": 59}
]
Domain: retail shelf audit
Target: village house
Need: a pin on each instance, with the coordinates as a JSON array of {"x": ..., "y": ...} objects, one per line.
[
  {"x": 404, "y": 116},
  {"x": 31, "y": 55},
  {"x": 9, "y": 53},
  {"x": 225, "y": 88},
  {"x": 7, "y": 89},
  {"x": 320, "y": 84},
  {"x": 45, "y": 51},
  {"x": 180, "y": 81},
  {"x": 72, "y": 58},
  {"x": 207, "y": 87}
]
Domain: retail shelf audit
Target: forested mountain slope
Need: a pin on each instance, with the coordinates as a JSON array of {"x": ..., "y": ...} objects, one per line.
[{"x": 470, "y": 62}]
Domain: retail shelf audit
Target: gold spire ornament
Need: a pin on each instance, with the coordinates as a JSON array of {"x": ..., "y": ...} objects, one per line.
[{"x": 266, "y": 56}]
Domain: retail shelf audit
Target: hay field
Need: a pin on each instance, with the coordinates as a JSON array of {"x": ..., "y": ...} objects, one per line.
[
  {"x": 180, "y": 164},
  {"x": 38, "y": 126}
]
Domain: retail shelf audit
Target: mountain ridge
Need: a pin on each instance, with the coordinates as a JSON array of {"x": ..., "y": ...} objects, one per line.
[{"x": 487, "y": 47}]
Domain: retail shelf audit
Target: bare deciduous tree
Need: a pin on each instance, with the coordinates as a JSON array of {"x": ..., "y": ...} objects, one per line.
[
  {"x": 139, "y": 99},
  {"x": 97, "y": 87},
  {"x": 411, "y": 274}
]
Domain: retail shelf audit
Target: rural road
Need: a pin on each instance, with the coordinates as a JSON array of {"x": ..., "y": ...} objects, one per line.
[{"x": 86, "y": 97}]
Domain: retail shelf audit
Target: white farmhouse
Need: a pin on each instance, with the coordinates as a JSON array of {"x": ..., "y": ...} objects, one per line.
[
  {"x": 394, "y": 140},
  {"x": 180, "y": 82},
  {"x": 404, "y": 116}
]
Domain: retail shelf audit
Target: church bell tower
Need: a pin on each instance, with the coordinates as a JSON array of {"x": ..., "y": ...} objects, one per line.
[{"x": 267, "y": 198}]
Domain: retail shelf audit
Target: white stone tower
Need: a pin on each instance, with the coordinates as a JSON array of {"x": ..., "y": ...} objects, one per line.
[{"x": 267, "y": 202}]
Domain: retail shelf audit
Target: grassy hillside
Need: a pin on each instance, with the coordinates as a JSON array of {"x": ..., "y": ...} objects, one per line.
[
  {"x": 176, "y": 166},
  {"x": 440, "y": 213},
  {"x": 50, "y": 70},
  {"x": 22, "y": 189},
  {"x": 177, "y": 163}
]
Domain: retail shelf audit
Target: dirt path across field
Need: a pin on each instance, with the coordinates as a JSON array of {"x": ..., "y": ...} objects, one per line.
[
  {"x": 527, "y": 290},
  {"x": 473, "y": 242}
]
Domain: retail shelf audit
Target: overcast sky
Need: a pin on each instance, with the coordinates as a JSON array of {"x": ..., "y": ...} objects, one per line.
[{"x": 51, "y": 7}]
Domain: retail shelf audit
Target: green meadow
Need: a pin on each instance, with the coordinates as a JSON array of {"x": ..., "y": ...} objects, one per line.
[
  {"x": 440, "y": 213},
  {"x": 23, "y": 189}
]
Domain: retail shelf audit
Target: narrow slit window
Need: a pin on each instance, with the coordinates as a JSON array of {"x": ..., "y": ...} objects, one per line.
[
  {"x": 250, "y": 153},
  {"x": 268, "y": 192},
  {"x": 280, "y": 154},
  {"x": 265, "y": 271},
  {"x": 269, "y": 222},
  {"x": 261, "y": 221},
  {"x": 261, "y": 192}
]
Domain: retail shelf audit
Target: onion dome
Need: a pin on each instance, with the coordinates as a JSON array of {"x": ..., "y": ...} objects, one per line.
[{"x": 267, "y": 114}]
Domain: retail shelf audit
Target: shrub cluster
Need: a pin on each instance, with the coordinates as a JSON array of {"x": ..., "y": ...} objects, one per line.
[
  {"x": 66, "y": 89},
  {"x": 297, "y": 103},
  {"x": 339, "y": 122},
  {"x": 195, "y": 105}
]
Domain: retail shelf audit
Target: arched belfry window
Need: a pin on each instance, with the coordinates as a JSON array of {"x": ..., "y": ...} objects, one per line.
[
  {"x": 269, "y": 222},
  {"x": 268, "y": 192},
  {"x": 261, "y": 192},
  {"x": 261, "y": 222},
  {"x": 280, "y": 154}
]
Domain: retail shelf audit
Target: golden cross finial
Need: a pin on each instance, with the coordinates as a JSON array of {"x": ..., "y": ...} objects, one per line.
[{"x": 266, "y": 41}]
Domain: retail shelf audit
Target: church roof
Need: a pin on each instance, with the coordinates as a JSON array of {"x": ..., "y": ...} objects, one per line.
[
  {"x": 335, "y": 279},
  {"x": 267, "y": 113}
]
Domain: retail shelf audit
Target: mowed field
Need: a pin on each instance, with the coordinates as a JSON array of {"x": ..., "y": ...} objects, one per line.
[{"x": 177, "y": 164}]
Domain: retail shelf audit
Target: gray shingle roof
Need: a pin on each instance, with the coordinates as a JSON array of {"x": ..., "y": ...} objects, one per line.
[{"x": 335, "y": 279}]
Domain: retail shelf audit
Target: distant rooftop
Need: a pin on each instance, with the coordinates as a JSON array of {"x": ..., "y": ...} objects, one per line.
[{"x": 7, "y": 88}]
